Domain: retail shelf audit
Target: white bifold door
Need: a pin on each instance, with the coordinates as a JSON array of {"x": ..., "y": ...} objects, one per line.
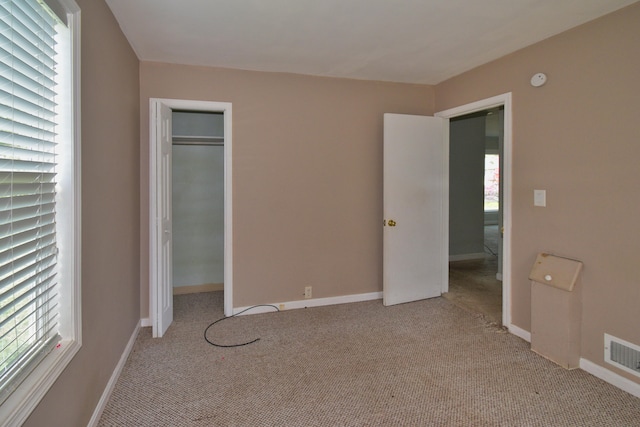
[
  {"x": 161, "y": 232},
  {"x": 415, "y": 246}
]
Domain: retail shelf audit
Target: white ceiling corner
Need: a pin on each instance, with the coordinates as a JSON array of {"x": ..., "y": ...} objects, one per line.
[{"x": 413, "y": 41}]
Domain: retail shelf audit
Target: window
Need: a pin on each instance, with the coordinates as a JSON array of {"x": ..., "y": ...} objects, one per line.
[
  {"x": 491, "y": 182},
  {"x": 39, "y": 199}
]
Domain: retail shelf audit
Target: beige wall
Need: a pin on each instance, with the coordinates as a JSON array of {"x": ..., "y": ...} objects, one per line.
[
  {"x": 110, "y": 219},
  {"x": 576, "y": 137},
  {"x": 307, "y": 175}
]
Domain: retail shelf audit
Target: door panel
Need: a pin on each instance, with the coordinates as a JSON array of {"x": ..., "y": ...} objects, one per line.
[
  {"x": 414, "y": 245},
  {"x": 164, "y": 274}
]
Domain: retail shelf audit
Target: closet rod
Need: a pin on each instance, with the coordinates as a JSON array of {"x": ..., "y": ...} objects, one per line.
[
  {"x": 197, "y": 140},
  {"x": 218, "y": 144}
]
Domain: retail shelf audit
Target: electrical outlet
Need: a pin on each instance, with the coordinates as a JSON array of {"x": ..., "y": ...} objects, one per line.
[
  {"x": 281, "y": 308},
  {"x": 307, "y": 292}
]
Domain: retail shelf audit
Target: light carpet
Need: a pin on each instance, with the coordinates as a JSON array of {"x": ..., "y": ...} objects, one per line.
[{"x": 427, "y": 363}]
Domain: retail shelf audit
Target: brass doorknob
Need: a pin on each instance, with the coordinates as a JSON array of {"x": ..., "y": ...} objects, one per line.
[{"x": 391, "y": 223}]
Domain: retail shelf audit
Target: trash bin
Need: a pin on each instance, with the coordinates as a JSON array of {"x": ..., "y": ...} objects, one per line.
[{"x": 556, "y": 309}]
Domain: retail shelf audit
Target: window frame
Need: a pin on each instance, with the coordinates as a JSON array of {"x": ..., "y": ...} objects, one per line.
[{"x": 23, "y": 400}]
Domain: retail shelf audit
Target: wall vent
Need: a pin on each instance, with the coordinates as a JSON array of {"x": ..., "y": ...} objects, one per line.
[{"x": 622, "y": 354}]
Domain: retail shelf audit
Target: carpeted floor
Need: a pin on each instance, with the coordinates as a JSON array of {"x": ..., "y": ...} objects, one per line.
[{"x": 427, "y": 363}]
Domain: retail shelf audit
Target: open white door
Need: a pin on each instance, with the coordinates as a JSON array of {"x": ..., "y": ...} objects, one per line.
[
  {"x": 414, "y": 242},
  {"x": 161, "y": 271}
]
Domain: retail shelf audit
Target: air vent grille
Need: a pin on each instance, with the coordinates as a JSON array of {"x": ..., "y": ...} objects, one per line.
[{"x": 622, "y": 354}]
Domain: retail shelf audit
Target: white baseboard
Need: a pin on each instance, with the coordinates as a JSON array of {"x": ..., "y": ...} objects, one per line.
[
  {"x": 145, "y": 322},
  {"x": 611, "y": 377},
  {"x": 195, "y": 289},
  {"x": 104, "y": 399},
  {"x": 313, "y": 302},
  {"x": 519, "y": 332},
  {"x": 467, "y": 257},
  {"x": 604, "y": 374}
]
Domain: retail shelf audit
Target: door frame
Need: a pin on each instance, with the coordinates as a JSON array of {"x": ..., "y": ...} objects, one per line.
[
  {"x": 506, "y": 178},
  {"x": 155, "y": 188}
]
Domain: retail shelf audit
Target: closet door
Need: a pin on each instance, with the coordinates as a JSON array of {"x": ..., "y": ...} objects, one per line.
[{"x": 161, "y": 270}]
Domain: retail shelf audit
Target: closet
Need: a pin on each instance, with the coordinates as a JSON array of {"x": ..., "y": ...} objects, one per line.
[{"x": 198, "y": 201}]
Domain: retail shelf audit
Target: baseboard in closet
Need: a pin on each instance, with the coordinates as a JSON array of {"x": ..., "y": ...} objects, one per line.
[{"x": 208, "y": 287}]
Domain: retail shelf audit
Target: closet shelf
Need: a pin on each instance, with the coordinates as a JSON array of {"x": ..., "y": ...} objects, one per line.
[{"x": 197, "y": 140}]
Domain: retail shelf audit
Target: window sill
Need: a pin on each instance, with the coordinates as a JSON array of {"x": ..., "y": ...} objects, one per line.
[{"x": 17, "y": 408}]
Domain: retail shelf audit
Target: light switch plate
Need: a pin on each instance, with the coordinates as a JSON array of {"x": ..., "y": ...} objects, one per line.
[{"x": 540, "y": 198}]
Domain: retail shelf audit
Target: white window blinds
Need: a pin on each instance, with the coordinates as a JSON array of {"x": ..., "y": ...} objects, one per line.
[{"x": 28, "y": 251}]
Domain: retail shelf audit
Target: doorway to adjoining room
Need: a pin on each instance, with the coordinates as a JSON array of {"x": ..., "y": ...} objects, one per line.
[{"x": 475, "y": 213}]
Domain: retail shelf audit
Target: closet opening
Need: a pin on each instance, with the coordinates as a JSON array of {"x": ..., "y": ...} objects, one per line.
[
  {"x": 197, "y": 199},
  {"x": 200, "y": 144}
]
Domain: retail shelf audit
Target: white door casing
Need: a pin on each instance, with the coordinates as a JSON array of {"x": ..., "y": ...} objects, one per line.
[
  {"x": 500, "y": 195},
  {"x": 160, "y": 257},
  {"x": 414, "y": 249}
]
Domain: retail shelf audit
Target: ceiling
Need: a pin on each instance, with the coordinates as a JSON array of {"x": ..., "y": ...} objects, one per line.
[{"x": 413, "y": 41}]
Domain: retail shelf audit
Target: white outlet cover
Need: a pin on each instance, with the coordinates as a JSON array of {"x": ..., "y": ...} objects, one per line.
[{"x": 538, "y": 79}]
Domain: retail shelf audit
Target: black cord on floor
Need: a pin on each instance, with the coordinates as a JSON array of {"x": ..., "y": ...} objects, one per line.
[
  {"x": 489, "y": 249},
  {"x": 234, "y": 315}
]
